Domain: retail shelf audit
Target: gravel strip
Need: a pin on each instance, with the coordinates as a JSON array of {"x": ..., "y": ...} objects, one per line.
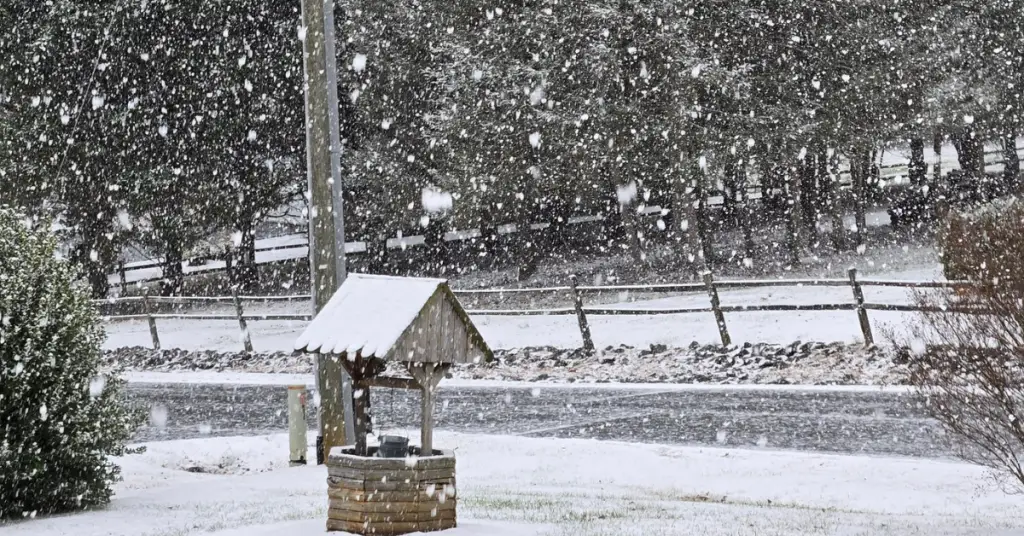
[{"x": 805, "y": 363}]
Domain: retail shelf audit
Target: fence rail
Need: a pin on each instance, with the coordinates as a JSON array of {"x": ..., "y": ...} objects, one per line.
[{"x": 575, "y": 294}]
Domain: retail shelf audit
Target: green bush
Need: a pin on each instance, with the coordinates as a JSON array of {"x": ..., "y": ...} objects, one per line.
[{"x": 61, "y": 419}]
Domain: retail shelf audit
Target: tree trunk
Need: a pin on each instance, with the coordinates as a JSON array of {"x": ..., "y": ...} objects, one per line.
[
  {"x": 822, "y": 178},
  {"x": 559, "y": 212},
  {"x": 868, "y": 173},
  {"x": 918, "y": 170},
  {"x": 627, "y": 192},
  {"x": 173, "y": 273},
  {"x": 941, "y": 189},
  {"x": 874, "y": 171},
  {"x": 526, "y": 248},
  {"x": 809, "y": 197},
  {"x": 377, "y": 253},
  {"x": 794, "y": 209},
  {"x": 770, "y": 187},
  {"x": 631, "y": 225},
  {"x": 1011, "y": 161},
  {"x": 730, "y": 194},
  {"x": 835, "y": 208},
  {"x": 818, "y": 184},
  {"x": 486, "y": 246},
  {"x": 685, "y": 217},
  {"x": 433, "y": 237},
  {"x": 968, "y": 146},
  {"x": 93, "y": 255},
  {"x": 526, "y": 244},
  {"x": 979, "y": 154},
  {"x": 746, "y": 215},
  {"x": 704, "y": 227},
  {"x": 859, "y": 168},
  {"x": 247, "y": 276},
  {"x": 98, "y": 282},
  {"x": 488, "y": 233},
  {"x": 767, "y": 184}
]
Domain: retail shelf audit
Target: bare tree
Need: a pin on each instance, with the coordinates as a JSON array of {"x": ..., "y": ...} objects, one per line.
[{"x": 969, "y": 364}]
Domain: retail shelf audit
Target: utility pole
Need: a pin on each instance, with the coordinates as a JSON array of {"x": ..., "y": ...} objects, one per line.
[
  {"x": 324, "y": 174},
  {"x": 337, "y": 189}
]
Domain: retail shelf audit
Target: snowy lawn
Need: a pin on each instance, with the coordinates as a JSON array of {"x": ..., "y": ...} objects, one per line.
[
  {"x": 673, "y": 330},
  {"x": 516, "y": 486}
]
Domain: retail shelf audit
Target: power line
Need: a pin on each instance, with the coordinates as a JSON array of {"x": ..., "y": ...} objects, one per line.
[{"x": 85, "y": 95}]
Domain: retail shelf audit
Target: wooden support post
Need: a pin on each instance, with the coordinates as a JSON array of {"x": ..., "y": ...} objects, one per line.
[
  {"x": 428, "y": 375},
  {"x": 427, "y": 420},
  {"x": 148, "y": 310},
  {"x": 246, "y": 339},
  {"x": 588, "y": 341},
  {"x": 360, "y": 403},
  {"x": 329, "y": 373},
  {"x": 716, "y": 306},
  {"x": 862, "y": 313}
]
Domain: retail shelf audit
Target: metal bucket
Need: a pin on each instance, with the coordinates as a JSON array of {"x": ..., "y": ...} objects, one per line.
[{"x": 393, "y": 447}]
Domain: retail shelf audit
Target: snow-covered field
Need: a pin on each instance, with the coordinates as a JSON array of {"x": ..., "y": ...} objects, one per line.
[
  {"x": 674, "y": 330},
  {"x": 516, "y": 332},
  {"x": 518, "y": 486}
]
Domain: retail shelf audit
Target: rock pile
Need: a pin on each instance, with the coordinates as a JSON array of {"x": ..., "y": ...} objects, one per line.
[
  {"x": 175, "y": 359},
  {"x": 796, "y": 363},
  {"x": 831, "y": 363}
]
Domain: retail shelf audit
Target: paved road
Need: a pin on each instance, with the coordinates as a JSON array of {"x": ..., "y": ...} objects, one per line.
[{"x": 881, "y": 423}]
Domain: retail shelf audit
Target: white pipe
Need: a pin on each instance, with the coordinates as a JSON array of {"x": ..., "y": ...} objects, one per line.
[{"x": 297, "y": 444}]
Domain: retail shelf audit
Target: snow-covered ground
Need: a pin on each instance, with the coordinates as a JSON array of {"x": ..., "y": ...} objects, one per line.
[
  {"x": 518, "y": 486},
  {"x": 673, "y": 330}
]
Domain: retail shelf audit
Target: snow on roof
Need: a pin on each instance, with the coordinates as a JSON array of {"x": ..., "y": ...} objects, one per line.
[{"x": 368, "y": 314}]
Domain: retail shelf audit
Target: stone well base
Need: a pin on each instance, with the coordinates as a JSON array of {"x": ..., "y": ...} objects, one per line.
[{"x": 388, "y": 496}]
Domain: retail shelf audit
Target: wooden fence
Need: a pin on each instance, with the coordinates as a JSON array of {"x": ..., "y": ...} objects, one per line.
[{"x": 576, "y": 294}]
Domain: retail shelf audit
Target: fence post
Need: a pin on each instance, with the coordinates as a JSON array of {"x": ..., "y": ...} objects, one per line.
[
  {"x": 246, "y": 339},
  {"x": 588, "y": 342},
  {"x": 146, "y": 308},
  {"x": 862, "y": 313},
  {"x": 716, "y": 306}
]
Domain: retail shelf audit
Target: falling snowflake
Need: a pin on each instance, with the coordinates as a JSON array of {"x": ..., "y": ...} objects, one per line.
[
  {"x": 359, "y": 63},
  {"x": 626, "y": 193}
]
